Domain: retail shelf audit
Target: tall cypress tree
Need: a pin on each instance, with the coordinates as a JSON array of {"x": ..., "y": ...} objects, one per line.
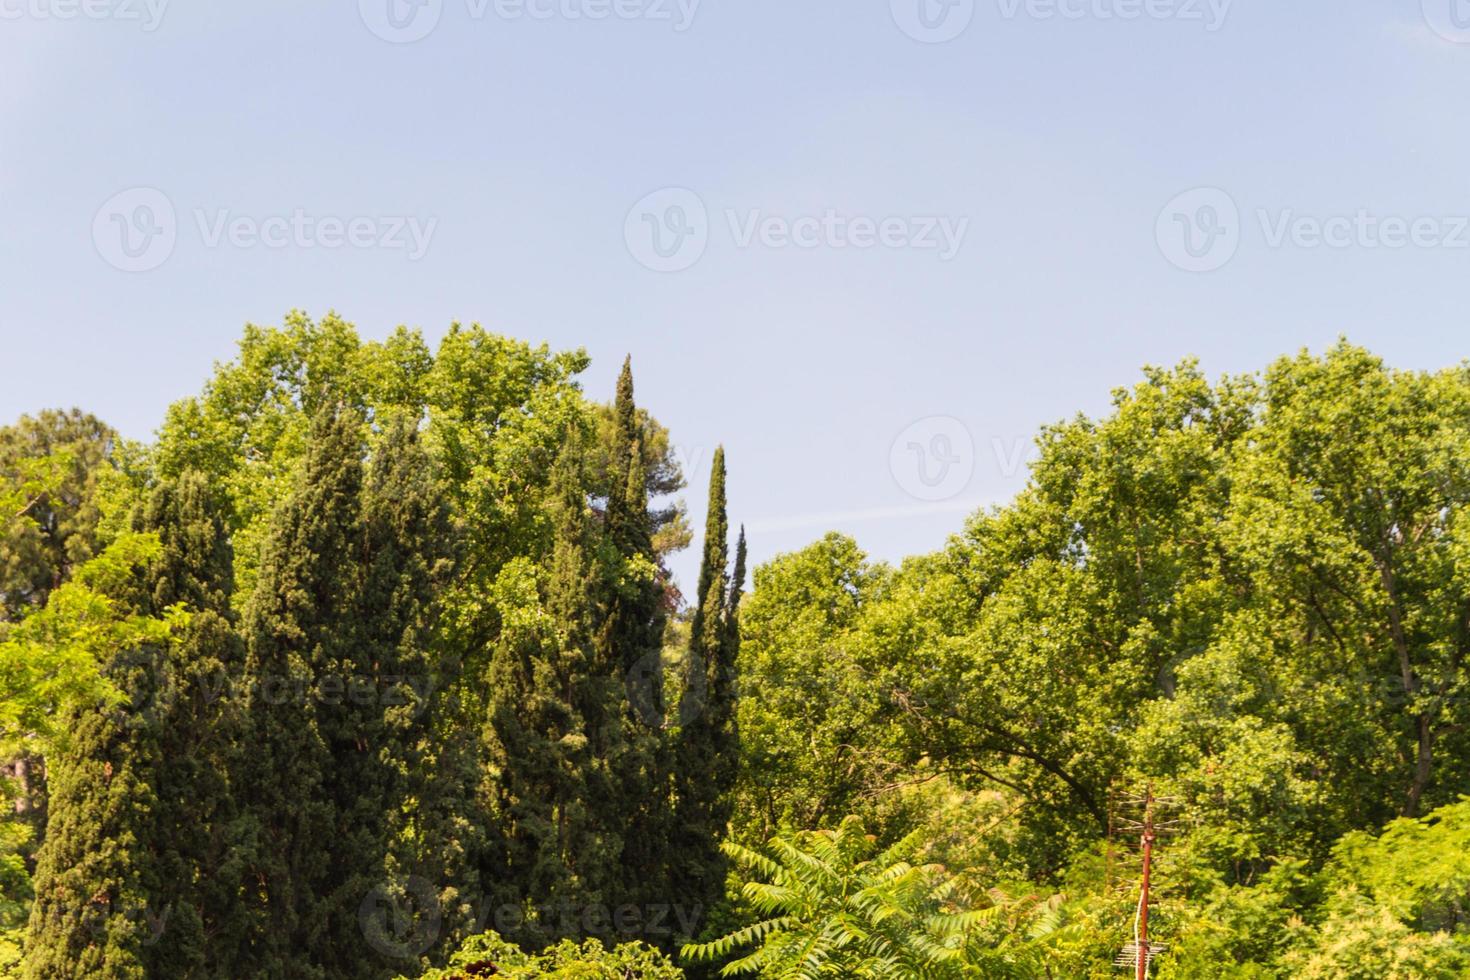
[
  {"x": 340, "y": 672},
  {"x": 552, "y": 727},
  {"x": 128, "y": 880},
  {"x": 300, "y": 628},
  {"x": 380, "y": 724},
  {"x": 632, "y": 649},
  {"x": 707, "y": 739},
  {"x": 94, "y": 877},
  {"x": 195, "y": 902}
]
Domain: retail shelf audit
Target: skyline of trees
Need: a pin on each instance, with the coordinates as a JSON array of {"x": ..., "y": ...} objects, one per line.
[{"x": 372, "y": 664}]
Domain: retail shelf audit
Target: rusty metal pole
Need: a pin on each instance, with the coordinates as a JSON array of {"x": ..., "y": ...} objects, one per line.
[{"x": 1148, "y": 850}]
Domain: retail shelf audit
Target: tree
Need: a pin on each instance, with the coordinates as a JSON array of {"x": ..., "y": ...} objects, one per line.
[
  {"x": 302, "y": 640},
  {"x": 554, "y": 729},
  {"x": 635, "y": 601},
  {"x": 141, "y": 803},
  {"x": 197, "y": 730},
  {"x": 708, "y": 755},
  {"x": 412, "y": 543},
  {"x": 806, "y": 703},
  {"x": 50, "y": 464}
]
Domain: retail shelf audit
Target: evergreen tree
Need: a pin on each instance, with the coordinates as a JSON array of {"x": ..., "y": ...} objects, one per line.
[
  {"x": 94, "y": 879},
  {"x": 300, "y": 629},
  {"x": 128, "y": 881},
  {"x": 632, "y": 650},
  {"x": 195, "y": 901},
  {"x": 553, "y": 723},
  {"x": 708, "y": 749},
  {"x": 383, "y": 774}
]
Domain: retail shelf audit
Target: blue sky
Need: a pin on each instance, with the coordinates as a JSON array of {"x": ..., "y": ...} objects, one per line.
[{"x": 814, "y": 317}]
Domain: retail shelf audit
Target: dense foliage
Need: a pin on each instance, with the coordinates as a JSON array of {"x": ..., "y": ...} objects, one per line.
[{"x": 370, "y": 666}]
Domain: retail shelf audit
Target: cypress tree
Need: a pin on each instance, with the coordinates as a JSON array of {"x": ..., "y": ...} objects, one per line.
[
  {"x": 632, "y": 645},
  {"x": 340, "y": 668},
  {"x": 378, "y": 721},
  {"x": 552, "y": 726},
  {"x": 195, "y": 900},
  {"x": 128, "y": 882},
  {"x": 300, "y": 628},
  {"x": 707, "y": 739},
  {"x": 94, "y": 879}
]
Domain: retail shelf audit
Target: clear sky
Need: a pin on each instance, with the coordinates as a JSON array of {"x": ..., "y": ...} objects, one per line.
[{"x": 815, "y": 224}]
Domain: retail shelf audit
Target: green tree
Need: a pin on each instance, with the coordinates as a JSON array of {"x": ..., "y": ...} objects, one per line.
[
  {"x": 303, "y": 638},
  {"x": 808, "y": 712},
  {"x": 50, "y": 465},
  {"x": 111, "y": 873},
  {"x": 636, "y": 599},
  {"x": 708, "y": 750},
  {"x": 196, "y": 730},
  {"x": 554, "y": 729}
]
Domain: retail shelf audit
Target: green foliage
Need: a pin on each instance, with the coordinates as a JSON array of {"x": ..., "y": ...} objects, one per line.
[
  {"x": 1251, "y": 595},
  {"x": 833, "y": 904},
  {"x": 807, "y": 702},
  {"x": 488, "y": 955},
  {"x": 709, "y": 741},
  {"x": 50, "y": 467},
  {"x": 51, "y": 661}
]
